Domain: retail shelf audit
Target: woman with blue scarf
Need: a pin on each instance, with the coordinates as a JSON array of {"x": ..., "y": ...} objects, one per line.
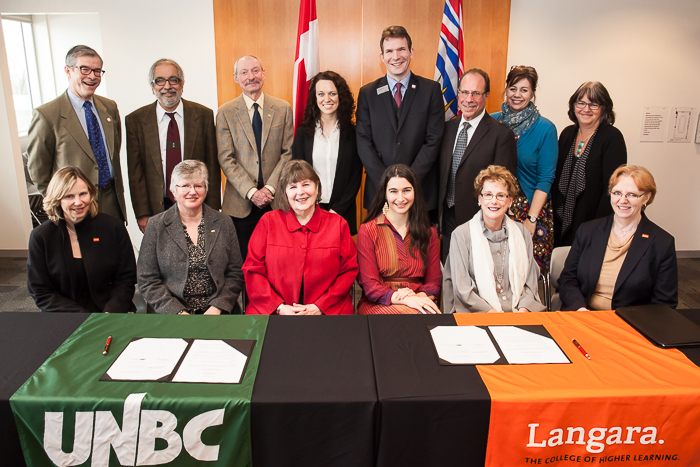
[{"x": 536, "y": 139}]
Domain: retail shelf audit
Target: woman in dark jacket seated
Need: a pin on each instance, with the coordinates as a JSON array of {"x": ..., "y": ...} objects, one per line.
[
  {"x": 623, "y": 259},
  {"x": 190, "y": 262},
  {"x": 79, "y": 260},
  {"x": 326, "y": 140}
]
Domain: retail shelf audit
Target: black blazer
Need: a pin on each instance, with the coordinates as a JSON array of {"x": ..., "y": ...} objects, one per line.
[
  {"x": 492, "y": 143},
  {"x": 649, "y": 274},
  {"x": 348, "y": 173},
  {"x": 410, "y": 136},
  {"x": 108, "y": 258},
  {"x": 608, "y": 152}
]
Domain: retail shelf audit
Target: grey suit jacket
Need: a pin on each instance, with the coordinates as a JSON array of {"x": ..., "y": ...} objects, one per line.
[
  {"x": 146, "y": 179},
  {"x": 163, "y": 261},
  {"x": 238, "y": 154},
  {"x": 56, "y": 140}
]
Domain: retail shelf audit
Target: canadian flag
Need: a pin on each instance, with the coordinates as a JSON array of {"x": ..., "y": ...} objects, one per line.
[{"x": 306, "y": 58}]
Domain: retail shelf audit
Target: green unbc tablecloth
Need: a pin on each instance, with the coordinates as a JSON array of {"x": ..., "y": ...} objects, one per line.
[{"x": 66, "y": 416}]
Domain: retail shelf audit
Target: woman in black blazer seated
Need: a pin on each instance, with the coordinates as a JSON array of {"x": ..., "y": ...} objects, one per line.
[
  {"x": 80, "y": 260},
  {"x": 623, "y": 259},
  {"x": 326, "y": 140},
  {"x": 589, "y": 151}
]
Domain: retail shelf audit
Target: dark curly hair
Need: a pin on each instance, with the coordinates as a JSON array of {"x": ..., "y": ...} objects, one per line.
[
  {"x": 418, "y": 220},
  {"x": 346, "y": 104}
]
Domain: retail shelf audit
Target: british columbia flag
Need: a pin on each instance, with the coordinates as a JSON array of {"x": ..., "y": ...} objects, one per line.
[{"x": 449, "y": 66}]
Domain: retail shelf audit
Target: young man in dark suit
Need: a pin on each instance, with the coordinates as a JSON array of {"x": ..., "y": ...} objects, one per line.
[{"x": 400, "y": 119}]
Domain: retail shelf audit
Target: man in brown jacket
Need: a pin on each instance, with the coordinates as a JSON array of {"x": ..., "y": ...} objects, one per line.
[
  {"x": 173, "y": 127},
  {"x": 254, "y": 133}
]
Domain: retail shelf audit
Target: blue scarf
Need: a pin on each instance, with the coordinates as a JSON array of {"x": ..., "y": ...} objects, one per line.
[{"x": 520, "y": 121}]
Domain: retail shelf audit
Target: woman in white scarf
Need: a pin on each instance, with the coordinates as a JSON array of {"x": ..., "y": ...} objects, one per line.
[{"x": 490, "y": 267}]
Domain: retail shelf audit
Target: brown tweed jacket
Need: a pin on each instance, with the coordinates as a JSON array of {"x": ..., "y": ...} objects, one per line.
[
  {"x": 146, "y": 179},
  {"x": 238, "y": 155},
  {"x": 56, "y": 140}
]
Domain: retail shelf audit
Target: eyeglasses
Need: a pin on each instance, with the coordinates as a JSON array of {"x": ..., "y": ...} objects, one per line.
[
  {"x": 499, "y": 196},
  {"x": 474, "y": 94},
  {"x": 591, "y": 105},
  {"x": 84, "y": 70},
  {"x": 631, "y": 196},
  {"x": 174, "y": 80},
  {"x": 187, "y": 187}
]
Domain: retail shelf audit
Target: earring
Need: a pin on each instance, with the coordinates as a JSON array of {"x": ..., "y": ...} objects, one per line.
[
  {"x": 385, "y": 209},
  {"x": 478, "y": 203}
]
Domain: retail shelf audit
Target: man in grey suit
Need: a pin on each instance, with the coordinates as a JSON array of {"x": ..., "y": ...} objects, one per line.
[
  {"x": 470, "y": 144},
  {"x": 163, "y": 134},
  {"x": 81, "y": 129},
  {"x": 400, "y": 119},
  {"x": 254, "y": 133}
]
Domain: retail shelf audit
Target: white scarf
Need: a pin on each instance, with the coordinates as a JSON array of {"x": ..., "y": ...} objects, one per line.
[{"x": 518, "y": 264}]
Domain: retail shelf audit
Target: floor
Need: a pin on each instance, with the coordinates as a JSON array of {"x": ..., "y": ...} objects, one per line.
[{"x": 14, "y": 295}]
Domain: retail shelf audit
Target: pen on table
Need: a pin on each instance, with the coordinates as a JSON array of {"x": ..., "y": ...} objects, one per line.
[
  {"x": 581, "y": 349},
  {"x": 109, "y": 341}
]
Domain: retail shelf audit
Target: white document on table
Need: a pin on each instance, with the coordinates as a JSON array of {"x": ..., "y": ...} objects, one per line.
[
  {"x": 147, "y": 359},
  {"x": 468, "y": 345},
  {"x": 522, "y": 347},
  {"x": 211, "y": 361}
]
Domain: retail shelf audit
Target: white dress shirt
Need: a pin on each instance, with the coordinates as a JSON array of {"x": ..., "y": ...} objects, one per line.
[
  {"x": 163, "y": 123},
  {"x": 325, "y": 157}
]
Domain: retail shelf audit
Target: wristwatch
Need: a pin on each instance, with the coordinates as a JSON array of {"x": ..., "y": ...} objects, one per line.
[{"x": 532, "y": 219}]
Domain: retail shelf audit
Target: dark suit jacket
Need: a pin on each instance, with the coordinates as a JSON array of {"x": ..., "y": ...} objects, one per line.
[
  {"x": 146, "y": 179},
  {"x": 56, "y": 140},
  {"x": 412, "y": 139},
  {"x": 608, "y": 152},
  {"x": 348, "y": 173},
  {"x": 649, "y": 274},
  {"x": 108, "y": 258},
  {"x": 163, "y": 261},
  {"x": 492, "y": 143}
]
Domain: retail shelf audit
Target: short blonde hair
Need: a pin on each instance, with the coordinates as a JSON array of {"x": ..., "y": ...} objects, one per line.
[
  {"x": 295, "y": 171},
  {"x": 641, "y": 176},
  {"x": 61, "y": 183},
  {"x": 192, "y": 170},
  {"x": 496, "y": 174}
]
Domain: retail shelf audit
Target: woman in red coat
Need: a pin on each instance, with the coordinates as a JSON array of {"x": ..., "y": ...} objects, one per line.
[{"x": 301, "y": 259}]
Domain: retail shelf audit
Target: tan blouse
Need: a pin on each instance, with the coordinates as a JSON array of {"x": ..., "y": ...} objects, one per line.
[{"x": 615, "y": 254}]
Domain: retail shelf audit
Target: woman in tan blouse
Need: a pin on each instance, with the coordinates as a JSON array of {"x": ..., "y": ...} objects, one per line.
[{"x": 623, "y": 259}]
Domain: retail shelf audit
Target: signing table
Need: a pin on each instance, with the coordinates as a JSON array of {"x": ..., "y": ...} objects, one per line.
[{"x": 364, "y": 391}]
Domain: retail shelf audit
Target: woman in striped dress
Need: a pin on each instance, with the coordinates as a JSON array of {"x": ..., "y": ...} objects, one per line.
[{"x": 398, "y": 251}]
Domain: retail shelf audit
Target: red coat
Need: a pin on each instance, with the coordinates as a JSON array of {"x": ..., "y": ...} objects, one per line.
[{"x": 281, "y": 252}]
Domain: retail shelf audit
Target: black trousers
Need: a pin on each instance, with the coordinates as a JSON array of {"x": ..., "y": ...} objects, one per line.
[
  {"x": 449, "y": 224},
  {"x": 246, "y": 225}
]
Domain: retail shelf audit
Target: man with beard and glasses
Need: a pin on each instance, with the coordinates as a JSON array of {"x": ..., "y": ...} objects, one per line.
[
  {"x": 81, "y": 129},
  {"x": 254, "y": 133},
  {"x": 161, "y": 135}
]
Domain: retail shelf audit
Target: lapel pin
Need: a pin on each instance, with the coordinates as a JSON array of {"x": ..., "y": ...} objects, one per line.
[
  {"x": 413, "y": 86},
  {"x": 109, "y": 120},
  {"x": 95, "y": 239},
  {"x": 645, "y": 236},
  {"x": 213, "y": 231}
]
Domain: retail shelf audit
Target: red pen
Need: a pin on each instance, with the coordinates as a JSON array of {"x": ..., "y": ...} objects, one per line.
[
  {"x": 581, "y": 349},
  {"x": 109, "y": 341}
]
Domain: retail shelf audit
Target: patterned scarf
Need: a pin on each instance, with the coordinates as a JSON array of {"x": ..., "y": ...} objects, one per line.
[
  {"x": 519, "y": 121},
  {"x": 577, "y": 176}
]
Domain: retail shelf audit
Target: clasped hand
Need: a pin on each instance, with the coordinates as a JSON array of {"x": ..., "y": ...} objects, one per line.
[
  {"x": 298, "y": 309},
  {"x": 262, "y": 197},
  {"x": 417, "y": 301}
]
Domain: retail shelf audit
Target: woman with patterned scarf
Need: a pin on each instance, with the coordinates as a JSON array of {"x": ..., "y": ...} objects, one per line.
[
  {"x": 537, "y": 160},
  {"x": 589, "y": 152}
]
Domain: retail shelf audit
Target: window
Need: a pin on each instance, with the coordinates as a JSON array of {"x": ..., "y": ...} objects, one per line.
[{"x": 21, "y": 60}]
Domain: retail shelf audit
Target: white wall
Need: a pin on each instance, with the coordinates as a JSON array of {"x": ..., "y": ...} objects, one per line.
[
  {"x": 647, "y": 53},
  {"x": 134, "y": 34}
]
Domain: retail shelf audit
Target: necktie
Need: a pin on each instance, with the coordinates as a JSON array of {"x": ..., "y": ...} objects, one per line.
[
  {"x": 173, "y": 153},
  {"x": 460, "y": 147},
  {"x": 97, "y": 145},
  {"x": 257, "y": 130},
  {"x": 397, "y": 95}
]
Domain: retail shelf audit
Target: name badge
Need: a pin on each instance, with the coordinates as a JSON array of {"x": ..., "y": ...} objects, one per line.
[{"x": 383, "y": 89}]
